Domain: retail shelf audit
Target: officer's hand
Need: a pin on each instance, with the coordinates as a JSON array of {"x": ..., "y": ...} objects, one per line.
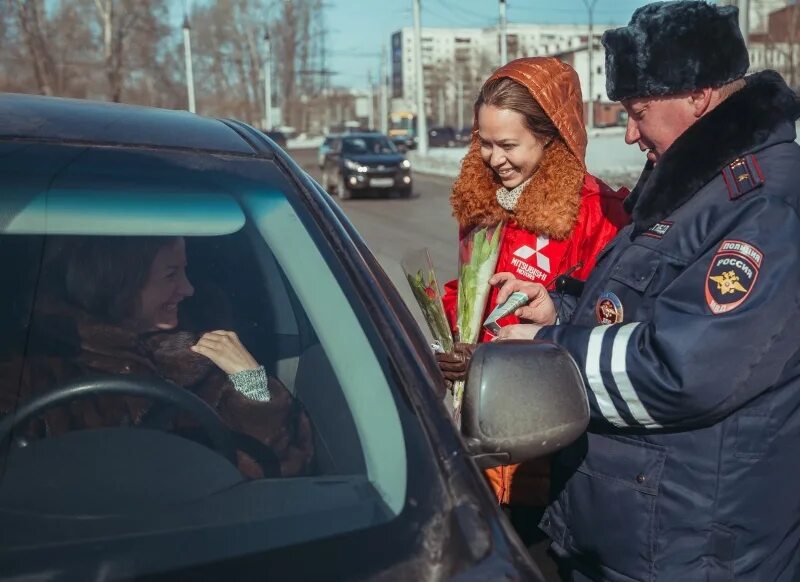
[
  {"x": 454, "y": 364},
  {"x": 521, "y": 331},
  {"x": 540, "y": 309}
]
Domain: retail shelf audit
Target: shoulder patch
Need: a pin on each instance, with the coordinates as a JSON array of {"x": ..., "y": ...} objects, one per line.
[
  {"x": 732, "y": 275},
  {"x": 659, "y": 229},
  {"x": 743, "y": 175}
]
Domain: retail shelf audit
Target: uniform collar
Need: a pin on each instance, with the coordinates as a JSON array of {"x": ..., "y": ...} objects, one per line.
[{"x": 760, "y": 114}]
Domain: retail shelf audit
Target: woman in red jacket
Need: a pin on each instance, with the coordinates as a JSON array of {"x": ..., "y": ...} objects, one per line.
[{"x": 526, "y": 166}]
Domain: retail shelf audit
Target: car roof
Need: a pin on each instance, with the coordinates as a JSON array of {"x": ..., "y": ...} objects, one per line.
[
  {"x": 73, "y": 120},
  {"x": 363, "y": 134}
]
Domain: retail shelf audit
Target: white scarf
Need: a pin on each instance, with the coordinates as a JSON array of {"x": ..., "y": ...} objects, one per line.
[{"x": 508, "y": 198}]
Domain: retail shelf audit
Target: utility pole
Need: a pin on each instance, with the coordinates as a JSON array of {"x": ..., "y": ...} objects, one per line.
[
  {"x": 323, "y": 31},
  {"x": 744, "y": 21},
  {"x": 590, "y": 9},
  {"x": 267, "y": 82},
  {"x": 187, "y": 53},
  {"x": 460, "y": 102},
  {"x": 422, "y": 121},
  {"x": 370, "y": 103},
  {"x": 442, "y": 114},
  {"x": 383, "y": 110},
  {"x": 503, "y": 34}
]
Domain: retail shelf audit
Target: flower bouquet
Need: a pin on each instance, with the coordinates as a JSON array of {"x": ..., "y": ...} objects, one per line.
[
  {"x": 419, "y": 272},
  {"x": 477, "y": 260}
]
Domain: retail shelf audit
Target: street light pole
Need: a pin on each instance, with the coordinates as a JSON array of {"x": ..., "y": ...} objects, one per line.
[
  {"x": 370, "y": 102},
  {"x": 503, "y": 34},
  {"x": 590, "y": 9},
  {"x": 383, "y": 110},
  {"x": 460, "y": 101},
  {"x": 267, "y": 82},
  {"x": 187, "y": 53},
  {"x": 744, "y": 21},
  {"x": 422, "y": 121}
]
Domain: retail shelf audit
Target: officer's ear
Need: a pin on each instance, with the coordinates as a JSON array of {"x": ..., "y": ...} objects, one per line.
[{"x": 701, "y": 100}]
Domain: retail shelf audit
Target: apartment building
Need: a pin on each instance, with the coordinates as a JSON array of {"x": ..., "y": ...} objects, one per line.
[{"x": 457, "y": 60}]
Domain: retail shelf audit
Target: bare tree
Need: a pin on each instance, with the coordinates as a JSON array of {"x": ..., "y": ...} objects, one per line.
[
  {"x": 229, "y": 51},
  {"x": 230, "y": 56},
  {"x": 117, "y": 19},
  {"x": 286, "y": 45},
  {"x": 131, "y": 50},
  {"x": 33, "y": 25}
]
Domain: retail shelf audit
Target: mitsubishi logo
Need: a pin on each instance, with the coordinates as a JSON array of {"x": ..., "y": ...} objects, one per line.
[{"x": 525, "y": 252}]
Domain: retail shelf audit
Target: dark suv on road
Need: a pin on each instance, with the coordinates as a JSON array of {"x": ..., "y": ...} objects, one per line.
[{"x": 366, "y": 161}]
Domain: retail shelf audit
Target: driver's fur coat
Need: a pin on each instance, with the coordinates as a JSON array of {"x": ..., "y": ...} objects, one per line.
[{"x": 67, "y": 344}]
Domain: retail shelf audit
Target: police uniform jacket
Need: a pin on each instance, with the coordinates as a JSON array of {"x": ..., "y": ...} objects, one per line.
[{"x": 688, "y": 338}]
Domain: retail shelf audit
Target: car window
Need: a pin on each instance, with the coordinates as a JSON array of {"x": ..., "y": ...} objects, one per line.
[
  {"x": 156, "y": 272},
  {"x": 367, "y": 145}
]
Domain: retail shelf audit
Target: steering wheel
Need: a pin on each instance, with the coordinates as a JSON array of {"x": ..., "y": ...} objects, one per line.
[
  {"x": 159, "y": 415},
  {"x": 156, "y": 389}
]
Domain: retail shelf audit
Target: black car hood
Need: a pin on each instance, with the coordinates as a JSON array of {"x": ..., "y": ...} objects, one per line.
[{"x": 373, "y": 159}]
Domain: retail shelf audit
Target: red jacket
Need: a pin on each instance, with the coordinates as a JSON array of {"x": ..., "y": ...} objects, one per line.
[
  {"x": 538, "y": 258},
  {"x": 534, "y": 257}
]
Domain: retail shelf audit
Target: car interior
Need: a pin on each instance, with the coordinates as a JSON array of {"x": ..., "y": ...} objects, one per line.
[
  {"x": 144, "y": 483},
  {"x": 132, "y": 471}
]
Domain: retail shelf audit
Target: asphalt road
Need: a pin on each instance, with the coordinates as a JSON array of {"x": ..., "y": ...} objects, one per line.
[{"x": 394, "y": 227}]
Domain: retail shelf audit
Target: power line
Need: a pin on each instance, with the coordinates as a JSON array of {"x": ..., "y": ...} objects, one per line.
[
  {"x": 449, "y": 17},
  {"x": 460, "y": 9}
]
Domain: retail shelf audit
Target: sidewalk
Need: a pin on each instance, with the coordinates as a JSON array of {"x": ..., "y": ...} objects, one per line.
[
  {"x": 304, "y": 143},
  {"x": 607, "y": 156}
]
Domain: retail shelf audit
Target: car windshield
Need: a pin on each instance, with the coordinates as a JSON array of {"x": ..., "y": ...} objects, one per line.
[
  {"x": 368, "y": 145},
  {"x": 179, "y": 352}
]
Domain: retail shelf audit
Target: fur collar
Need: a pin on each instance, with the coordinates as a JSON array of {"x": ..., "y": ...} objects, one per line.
[
  {"x": 548, "y": 205},
  {"x": 740, "y": 124},
  {"x": 69, "y": 331}
]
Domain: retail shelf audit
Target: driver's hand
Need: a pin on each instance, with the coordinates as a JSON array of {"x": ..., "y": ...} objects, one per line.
[{"x": 226, "y": 351}]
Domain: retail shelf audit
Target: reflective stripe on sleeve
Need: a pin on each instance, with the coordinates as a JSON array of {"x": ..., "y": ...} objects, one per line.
[
  {"x": 593, "y": 375},
  {"x": 619, "y": 371}
]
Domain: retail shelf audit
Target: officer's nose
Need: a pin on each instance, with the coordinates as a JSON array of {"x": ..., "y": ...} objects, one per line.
[{"x": 632, "y": 134}]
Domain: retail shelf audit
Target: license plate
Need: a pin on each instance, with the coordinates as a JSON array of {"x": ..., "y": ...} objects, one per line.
[{"x": 382, "y": 182}]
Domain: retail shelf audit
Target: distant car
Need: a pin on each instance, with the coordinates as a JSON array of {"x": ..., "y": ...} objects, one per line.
[
  {"x": 366, "y": 161},
  {"x": 394, "y": 492},
  {"x": 325, "y": 148},
  {"x": 442, "y": 137},
  {"x": 464, "y": 135},
  {"x": 404, "y": 142},
  {"x": 278, "y": 137}
]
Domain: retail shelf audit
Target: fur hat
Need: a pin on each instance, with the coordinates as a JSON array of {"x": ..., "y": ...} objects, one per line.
[{"x": 671, "y": 47}]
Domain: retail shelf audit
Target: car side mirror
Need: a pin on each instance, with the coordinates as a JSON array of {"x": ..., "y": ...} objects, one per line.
[{"x": 522, "y": 400}]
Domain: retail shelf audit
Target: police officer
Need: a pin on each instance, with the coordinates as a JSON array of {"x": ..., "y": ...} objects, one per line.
[{"x": 687, "y": 331}]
